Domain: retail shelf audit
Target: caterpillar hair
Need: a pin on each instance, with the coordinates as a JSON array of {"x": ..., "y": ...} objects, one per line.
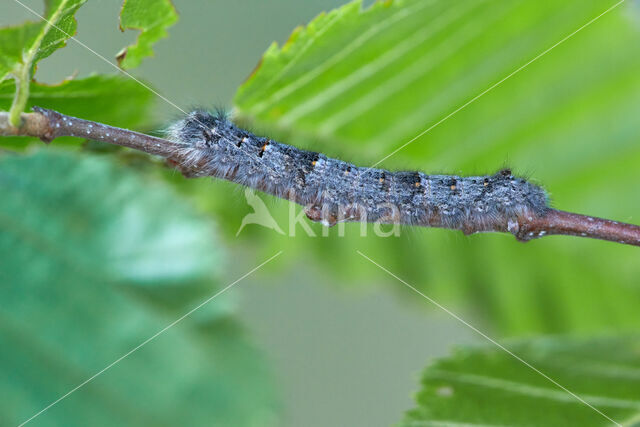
[{"x": 332, "y": 190}]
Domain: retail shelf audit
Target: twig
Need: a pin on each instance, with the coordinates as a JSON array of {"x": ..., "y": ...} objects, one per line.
[
  {"x": 48, "y": 125},
  {"x": 571, "y": 224}
]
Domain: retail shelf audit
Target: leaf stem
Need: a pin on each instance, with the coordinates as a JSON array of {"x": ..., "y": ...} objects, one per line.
[
  {"x": 23, "y": 74},
  {"x": 23, "y": 82},
  {"x": 48, "y": 125}
]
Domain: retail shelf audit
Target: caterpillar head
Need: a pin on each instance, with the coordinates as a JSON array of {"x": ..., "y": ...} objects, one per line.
[{"x": 199, "y": 129}]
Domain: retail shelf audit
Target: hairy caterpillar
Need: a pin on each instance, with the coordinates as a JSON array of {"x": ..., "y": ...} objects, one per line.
[{"x": 333, "y": 191}]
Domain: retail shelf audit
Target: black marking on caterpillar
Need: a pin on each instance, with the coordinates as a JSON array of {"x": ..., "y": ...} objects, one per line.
[{"x": 332, "y": 190}]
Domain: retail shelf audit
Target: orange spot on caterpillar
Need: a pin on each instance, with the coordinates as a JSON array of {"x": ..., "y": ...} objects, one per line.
[
  {"x": 383, "y": 176},
  {"x": 453, "y": 187},
  {"x": 263, "y": 149},
  {"x": 417, "y": 184},
  {"x": 313, "y": 163}
]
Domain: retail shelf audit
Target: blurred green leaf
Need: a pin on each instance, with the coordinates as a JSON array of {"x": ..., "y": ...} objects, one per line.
[
  {"x": 487, "y": 386},
  {"x": 152, "y": 18},
  {"x": 96, "y": 259},
  {"x": 358, "y": 84}
]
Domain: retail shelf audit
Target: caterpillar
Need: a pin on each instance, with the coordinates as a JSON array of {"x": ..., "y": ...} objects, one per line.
[{"x": 333, "y": 191}]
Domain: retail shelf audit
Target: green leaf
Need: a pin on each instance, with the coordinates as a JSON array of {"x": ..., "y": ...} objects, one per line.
[
  {"x": 95, "y": 260},
  {"x": 152, "y": 18},
  {"x": 59, "y": 25},
  {"x": 358, "y": 84},
  {"x": 487, "y": 386},
  {"x": 22, "y": 47},
  {"x": 12, "y": 42}
]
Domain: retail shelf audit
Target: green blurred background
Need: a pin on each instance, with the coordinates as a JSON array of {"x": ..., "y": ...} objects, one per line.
[{"x": 346, "y": 343}]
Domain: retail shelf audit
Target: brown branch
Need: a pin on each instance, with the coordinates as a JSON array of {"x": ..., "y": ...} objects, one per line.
[
  {"x": 48, "y": 125},
  {"x": 571, "y": 224}
]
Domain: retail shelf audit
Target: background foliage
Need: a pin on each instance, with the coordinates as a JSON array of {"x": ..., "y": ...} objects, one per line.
[
  {"x": 360, "y": 84},
  {"x": 95, "y": 260},
  {"x": 355, "y": 83},
  {"x": 486, "y": 386}
]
